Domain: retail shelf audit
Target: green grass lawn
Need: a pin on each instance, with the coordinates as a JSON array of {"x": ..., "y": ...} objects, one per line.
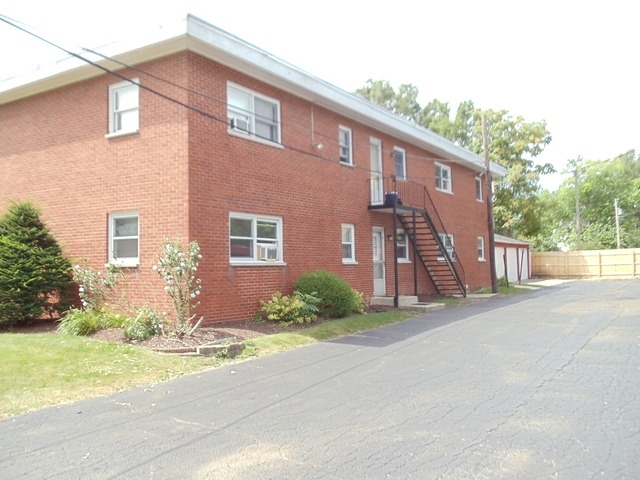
[{"x": 46, "y": 369}]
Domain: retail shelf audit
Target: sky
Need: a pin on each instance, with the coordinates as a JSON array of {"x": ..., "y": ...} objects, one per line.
[{"x": 570, "y": 63}]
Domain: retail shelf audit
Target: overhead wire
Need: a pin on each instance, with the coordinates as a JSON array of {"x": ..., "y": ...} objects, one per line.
[{"x": 199, "y": 111}]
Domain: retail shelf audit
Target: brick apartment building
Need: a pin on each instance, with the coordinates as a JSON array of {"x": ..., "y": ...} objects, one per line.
[{"x": 271, "y": 170}]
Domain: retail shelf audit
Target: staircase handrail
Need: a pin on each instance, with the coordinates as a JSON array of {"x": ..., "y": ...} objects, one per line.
[{"x": 416, "y": 195}]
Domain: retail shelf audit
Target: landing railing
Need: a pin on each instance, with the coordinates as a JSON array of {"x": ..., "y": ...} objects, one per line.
[{"x": 416, "y": 195}]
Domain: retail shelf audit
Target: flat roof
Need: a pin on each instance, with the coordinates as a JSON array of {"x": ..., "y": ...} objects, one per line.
[{"x": 196, "y": 35}]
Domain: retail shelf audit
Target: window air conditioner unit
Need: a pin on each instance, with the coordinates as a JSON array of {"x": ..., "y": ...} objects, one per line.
[
  {"x": 239, "y": 124},
  {"x": 267, "y": 252}
]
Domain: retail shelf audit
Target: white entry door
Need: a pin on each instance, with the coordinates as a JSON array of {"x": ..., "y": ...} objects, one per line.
[{"x": 379, "y": 283}]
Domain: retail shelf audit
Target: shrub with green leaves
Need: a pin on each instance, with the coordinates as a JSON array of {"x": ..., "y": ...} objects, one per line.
[
  {"x": 287, "y": 309},
  {"x": 97, "y": 289},
  {"x": 338, "y": 298},
  {"x": 35, "y": 277},
  {"x": 147, "y": 323},
  {"x": 87, "y": 321},
  {"x": 177, "y": 268}
]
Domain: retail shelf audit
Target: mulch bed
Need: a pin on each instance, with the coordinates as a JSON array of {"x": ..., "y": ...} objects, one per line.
[{"x": 238, "y": 330}]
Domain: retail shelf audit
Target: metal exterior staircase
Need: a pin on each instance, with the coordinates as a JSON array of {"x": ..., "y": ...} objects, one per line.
[
  {"x": 416, "y": 212},
  {"x": 439, "y": 261}
]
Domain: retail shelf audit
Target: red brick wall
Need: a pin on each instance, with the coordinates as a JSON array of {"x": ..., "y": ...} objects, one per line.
[
  {"x": 53, "y": 151},
  {"x": 185, "y": 173}
]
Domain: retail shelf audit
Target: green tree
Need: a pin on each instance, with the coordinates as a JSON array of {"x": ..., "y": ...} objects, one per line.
[
  {"x": 404, "y": 102},
  {"x": 35, "y": 278},
  {"x": 513, "y": 143},
  {"x": 600, "y": 183}
]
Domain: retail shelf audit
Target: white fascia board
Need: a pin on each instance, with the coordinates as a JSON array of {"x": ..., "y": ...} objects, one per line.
[
  {"x": 196, "y": 35},
  {"x": 223, "y": 47},
  {"x": 71, "y": 69}
]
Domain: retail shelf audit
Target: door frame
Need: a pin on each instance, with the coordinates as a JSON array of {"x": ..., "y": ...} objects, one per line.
[
  {"x": 379, "y": 285},
  {"x": 376, "y": 175}
]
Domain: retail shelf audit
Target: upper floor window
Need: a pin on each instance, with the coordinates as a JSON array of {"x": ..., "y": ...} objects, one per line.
[
  {"x": 253, "y": 114},
  {"x": 255, "y": 239},
  {"x": 346, "y": 155},
  {"x": 478, "y": 189},
  {"x": 443, "y": 177},
  {"x": 447, "y": 241},
  {"x": 124, "y": 103},
  {"x": 481, "y": 248},
  {"x": 400, "y": 161},
  {"x": 402, "y": 244},
  {"x": 124, "y": 239},
  {"x": 348, "y": 243}
]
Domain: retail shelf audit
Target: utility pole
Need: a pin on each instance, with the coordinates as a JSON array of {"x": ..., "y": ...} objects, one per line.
[
  {"x": 615, "y": 205},
  {"x": 576, "y": 177},
  {"x": 489, "y": 192}
]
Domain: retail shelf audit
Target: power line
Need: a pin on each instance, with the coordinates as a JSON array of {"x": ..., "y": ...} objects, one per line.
[{"x": 210, "y": 116}]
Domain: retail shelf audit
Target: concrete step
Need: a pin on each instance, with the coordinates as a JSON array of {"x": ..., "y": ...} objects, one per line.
[{"x": 406, "y": 301}]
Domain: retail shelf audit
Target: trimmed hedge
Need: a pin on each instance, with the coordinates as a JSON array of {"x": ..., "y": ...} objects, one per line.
[{"x": 337, "y": 298}]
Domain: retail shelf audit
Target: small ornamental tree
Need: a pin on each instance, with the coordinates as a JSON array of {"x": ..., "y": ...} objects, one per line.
[
  {"x": 35, "y": 278},
  {"x": 178, "y": 269}
]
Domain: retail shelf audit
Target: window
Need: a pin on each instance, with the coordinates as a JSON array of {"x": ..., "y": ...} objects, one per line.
[
  {"x": 344, "y": 138},
  {"x": 478, "y": 189},
  {"x": 124, "y": 240},
  {"x": 123, "y": 108},
  {"x": 253, "y": 114},
  {"x": 348, "y": 243},
  {"x": 400, "y": 160},
  {"x": 447, "y": 241},
  {"x": 255, "y": 239},
  {"x": 443, "y": 177},
  {"x": 402, "y": 245},
  {"x": 481, "y": 248}
]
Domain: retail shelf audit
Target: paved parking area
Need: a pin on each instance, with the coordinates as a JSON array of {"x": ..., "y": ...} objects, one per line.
[{"x": 540, "y": 385}]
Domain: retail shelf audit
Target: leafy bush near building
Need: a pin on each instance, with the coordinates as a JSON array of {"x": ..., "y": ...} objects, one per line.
[
  {"x": 287, "y": 309},
  {"x": 89, "y": 320},
  {"x": 338, "y": 299},
  {"x": 35, "y": 277}
]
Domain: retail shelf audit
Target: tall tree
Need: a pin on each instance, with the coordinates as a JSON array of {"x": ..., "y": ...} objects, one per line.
[
  {"x": 513, "y": 143},
  {"x": 599, "y": 183}
]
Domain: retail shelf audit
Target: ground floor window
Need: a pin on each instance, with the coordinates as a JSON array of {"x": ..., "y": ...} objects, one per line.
[
  {"x": 481, "y": 248},
  {"x": 402, "y": 244},
  {"x": 447, "y": 241},
  {"x": 348, "y": 243},
  {"x": 124, "y": 238},
  {"x": 254, "y": 239}
]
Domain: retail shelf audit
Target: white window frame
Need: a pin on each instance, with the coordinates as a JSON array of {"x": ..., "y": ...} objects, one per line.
[
  {"x": 400, "y": 159},
  {"x": 481, "y": 256},
  {"x": 443, "y": 182},
  {"x": 113, "y": 238},
  {"x": 400, "y": 243},
  {"x": 345, "y": 145},
  {"x": 244, "y": 122},
  {"x": 447, "y": 241},
  {"x": 350, "y": 241},
  {"x": 479, "y": 188},
  {"x": 264, "y": 251},
  {"x": 115, "y": 113}
]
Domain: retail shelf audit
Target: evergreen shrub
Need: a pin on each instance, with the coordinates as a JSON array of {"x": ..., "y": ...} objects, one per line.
[
  {"x": 338, "y": 299},
  {"x": 35, "y": 277}
]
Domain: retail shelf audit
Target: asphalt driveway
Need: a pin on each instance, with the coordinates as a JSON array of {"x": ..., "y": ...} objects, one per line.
[{"x": 542, "y": 385}]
